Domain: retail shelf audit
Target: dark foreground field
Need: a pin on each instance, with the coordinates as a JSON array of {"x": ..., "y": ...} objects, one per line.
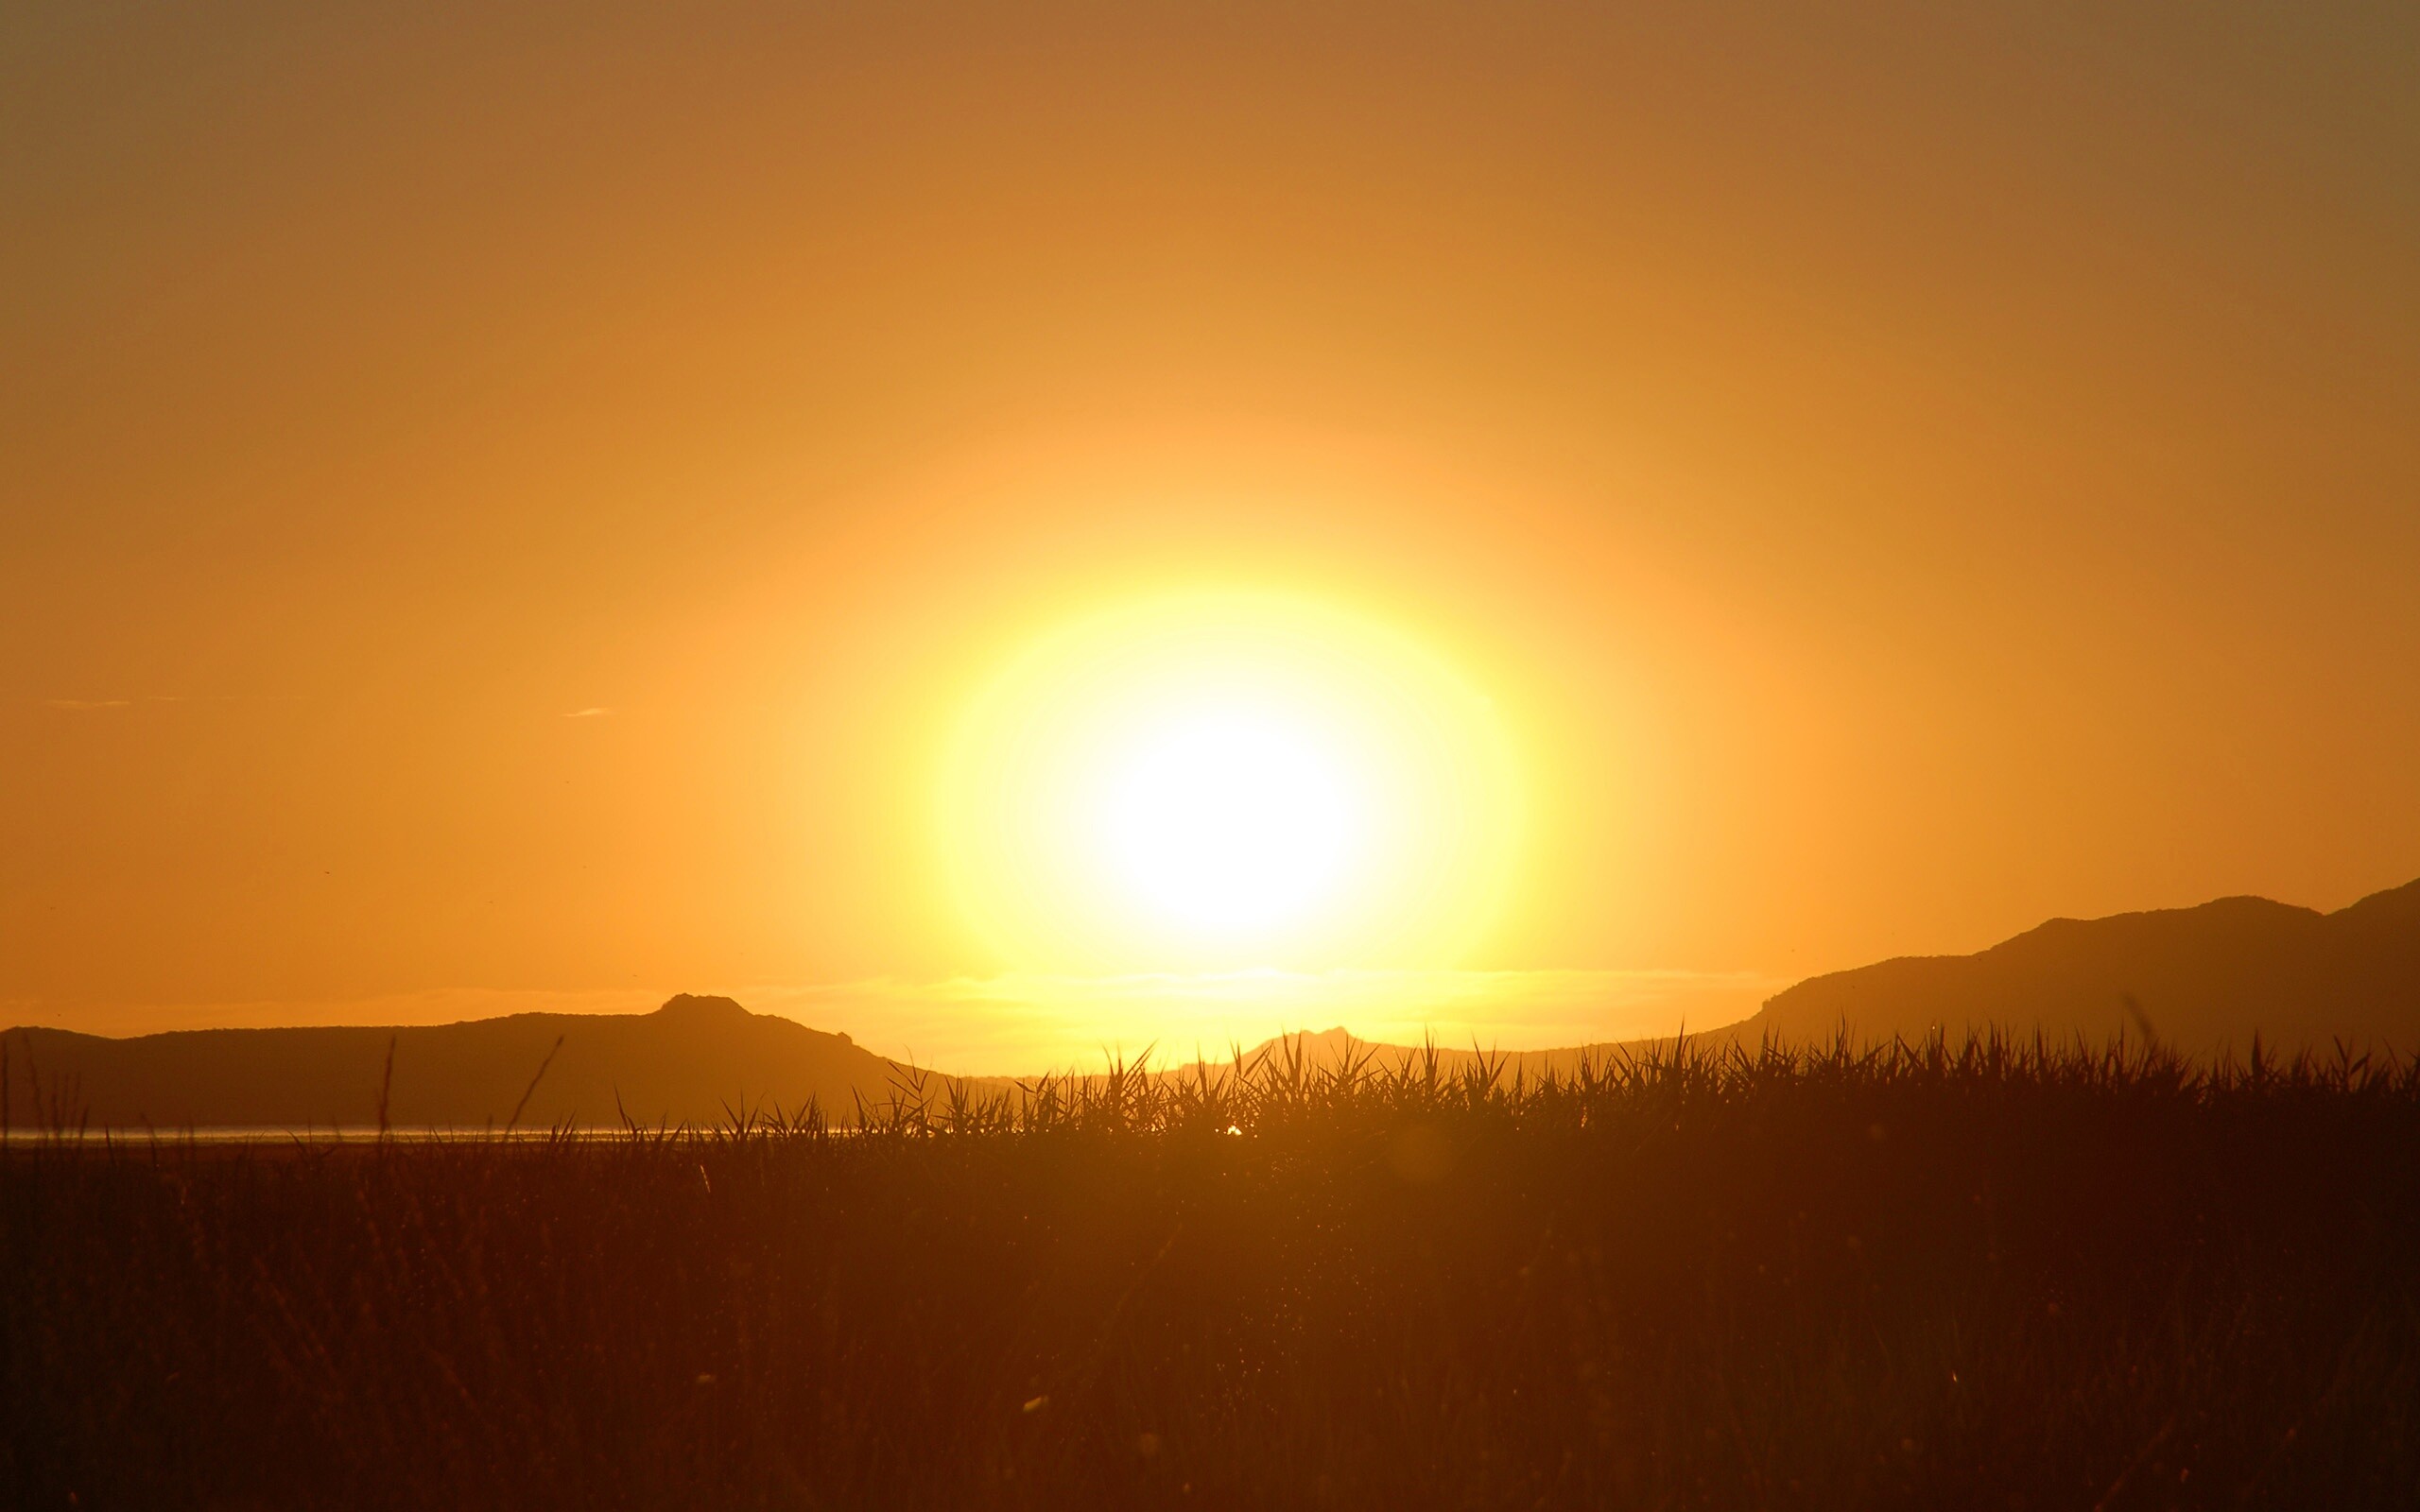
[{"x": 1977, "y": 1279}]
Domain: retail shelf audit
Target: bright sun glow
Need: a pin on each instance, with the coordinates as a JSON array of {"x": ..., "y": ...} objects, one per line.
[
  {"x": 1230, "y": 818},
  {"x": 1228, "y": 781}
]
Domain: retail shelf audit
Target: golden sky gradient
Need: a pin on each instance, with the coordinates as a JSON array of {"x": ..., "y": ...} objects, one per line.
[{"x": 518, "y": 500}]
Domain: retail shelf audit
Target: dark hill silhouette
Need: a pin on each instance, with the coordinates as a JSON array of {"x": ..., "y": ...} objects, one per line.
[
  {"x": 688, "y": 1061},
  {"x": 2203, "y": 979}
]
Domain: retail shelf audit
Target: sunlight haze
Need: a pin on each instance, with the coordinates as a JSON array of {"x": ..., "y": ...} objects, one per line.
[
  {"x": 1223, "y": 780},
  {"x": 507, "y": 505}
]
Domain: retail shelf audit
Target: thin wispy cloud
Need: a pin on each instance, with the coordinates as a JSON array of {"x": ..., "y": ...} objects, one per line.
[
  {"x": 81, "y": 704},
  {"x": 588, "y": 713}
]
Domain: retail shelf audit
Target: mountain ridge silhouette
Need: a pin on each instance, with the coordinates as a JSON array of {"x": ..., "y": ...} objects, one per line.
[
  {"x": 2203, "y": 979},
  {"x": 696, "y": 1059}
]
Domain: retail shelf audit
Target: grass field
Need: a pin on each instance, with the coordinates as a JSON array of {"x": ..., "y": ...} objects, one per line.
[{"x": 1988, "y": 1275}]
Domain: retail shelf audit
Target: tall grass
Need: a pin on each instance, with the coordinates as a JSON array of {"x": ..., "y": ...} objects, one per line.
[{"x": 1991, "y": 1274}]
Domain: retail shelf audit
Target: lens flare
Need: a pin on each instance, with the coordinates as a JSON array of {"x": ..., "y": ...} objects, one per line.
[{"x": 1213, "y": 781}]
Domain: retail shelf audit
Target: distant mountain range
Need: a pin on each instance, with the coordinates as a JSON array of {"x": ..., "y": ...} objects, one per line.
[
  {"x": 2202, "y": 979},
  {"x": 696, "y": 1059}
]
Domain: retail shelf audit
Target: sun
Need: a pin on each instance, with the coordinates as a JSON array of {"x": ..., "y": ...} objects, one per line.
[
  {"x": 1230, "y": 818},
  {"x": 1227, "y": 781}
]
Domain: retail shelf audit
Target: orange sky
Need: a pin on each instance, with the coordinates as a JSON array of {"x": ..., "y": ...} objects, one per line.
[{"x": 1900, "y": 476}]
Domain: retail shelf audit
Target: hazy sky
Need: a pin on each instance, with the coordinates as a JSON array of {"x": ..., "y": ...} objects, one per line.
[{"x": 513, "y": 497}]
